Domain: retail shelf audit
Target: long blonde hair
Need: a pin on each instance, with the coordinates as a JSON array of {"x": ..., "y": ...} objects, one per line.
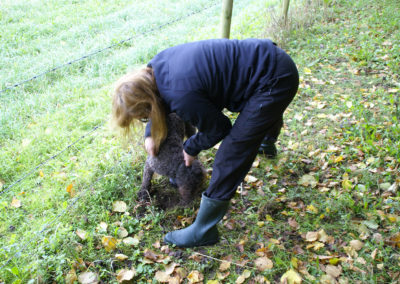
[{"x": 136, "y": 96}]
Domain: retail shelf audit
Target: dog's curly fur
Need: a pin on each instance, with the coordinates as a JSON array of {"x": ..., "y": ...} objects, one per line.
[{"x": 169, "y": 162}]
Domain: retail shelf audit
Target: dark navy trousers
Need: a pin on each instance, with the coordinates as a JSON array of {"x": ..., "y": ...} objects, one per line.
[{"x": 261, "y": 118}]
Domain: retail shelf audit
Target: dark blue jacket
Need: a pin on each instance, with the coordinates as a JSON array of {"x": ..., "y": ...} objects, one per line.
[{"x": 198, "y": 80}]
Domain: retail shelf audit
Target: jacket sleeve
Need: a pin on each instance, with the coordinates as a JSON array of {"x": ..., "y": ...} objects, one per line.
[
  {"x": 211, "y": 123},
  {"x": 147, "y": 130}
]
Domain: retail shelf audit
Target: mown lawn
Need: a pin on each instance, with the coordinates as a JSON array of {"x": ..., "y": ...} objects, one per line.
[{"x": 327, "y": 210}]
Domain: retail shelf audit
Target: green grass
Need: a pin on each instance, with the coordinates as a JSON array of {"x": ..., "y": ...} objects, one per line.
[{"x": 342, "y": 129}]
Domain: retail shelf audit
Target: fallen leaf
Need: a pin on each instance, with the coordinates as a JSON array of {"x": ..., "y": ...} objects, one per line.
[
  {"x": 71, "y": 190},
  {"x": 333, "y": 271},
  {"x": 394, "y": 240},
  {"x": 126, "y": 275},
  {"x": 291, "y": 277},
  {"x": 308, "y": 180},
  {"x": 121, "y": 257},
  {"x": 250, "y": 179},
  {"x": 41, "y": 174},
  {"x": 170, "y": 268},
  {"x": 311, "y": 208},
  {"x": 88, "y": 278},
  {"x": 242, "y": 278},
  {"x": 162, "y": 277},
  {"x": 15, "y": 203},
  {"x": 71, "y": 277},
  {"x": 195, "y": 276},
  {"x": 122, "y": 232},
  {"x": 311, "y": 236},
  {"x": 81, "y": 234},
  {"x": 119, "y": 206},
  {"x": 151, "y": 255},
  {"x": 356, "y": 244},
  {"x": 109, "y": 243},
  {"x": 293, "y": 223},
  {"x": 102, "y": 227},
  {"x": 263, "y": 263},
  {"x": 131, "y": 241},
  {"x": 225, "y": 265}
]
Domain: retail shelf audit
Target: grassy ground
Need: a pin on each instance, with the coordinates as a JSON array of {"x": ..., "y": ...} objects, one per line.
[{"x": 326, "y": 210}]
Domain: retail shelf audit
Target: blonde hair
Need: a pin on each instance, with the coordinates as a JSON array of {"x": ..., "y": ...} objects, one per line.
[{"x": 136, "y": 96}]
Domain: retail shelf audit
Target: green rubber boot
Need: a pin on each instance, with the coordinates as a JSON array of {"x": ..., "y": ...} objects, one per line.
[{"x": 203, "y": 231}]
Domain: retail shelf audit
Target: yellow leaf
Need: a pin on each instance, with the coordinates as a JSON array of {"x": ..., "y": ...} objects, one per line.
[
  {"x": 260, "y": 224},
  {"x": 195, "y": 276},
  {"x": 307, "y": 70},
  {"x": 15, "y": 203},
  {"x": 291, "y": 277},
  {"x": 109, "y": 243},
  {"x": 337, "y": 159},
  {"x": 119, "y": 206},
  {"x": 269, "y": 218},
  {"x": 346, "y": 184},
  {"x": 212, "y": 282},
  {"x": 71, "y": 277},
  {"x": 71, "y": 190},
  {"x": 121, "y": 257},
  {"x": 334, "y": 261},
  {"x": 311, "y": 208},
  {"x": 41, "y": 174}
]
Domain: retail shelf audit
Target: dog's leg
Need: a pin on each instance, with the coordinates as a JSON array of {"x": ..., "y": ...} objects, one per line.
[{"x": 145, "y": 189}]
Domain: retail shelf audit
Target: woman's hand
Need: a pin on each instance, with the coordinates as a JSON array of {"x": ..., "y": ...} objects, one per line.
[
  {"x": 188, "y": 159},
  {"x": 149, "y": 146}
]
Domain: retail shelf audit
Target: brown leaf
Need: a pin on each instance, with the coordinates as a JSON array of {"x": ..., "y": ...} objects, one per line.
[
  {"x": 149, "y": 254},
  {"x": 293, "y": 223}
]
